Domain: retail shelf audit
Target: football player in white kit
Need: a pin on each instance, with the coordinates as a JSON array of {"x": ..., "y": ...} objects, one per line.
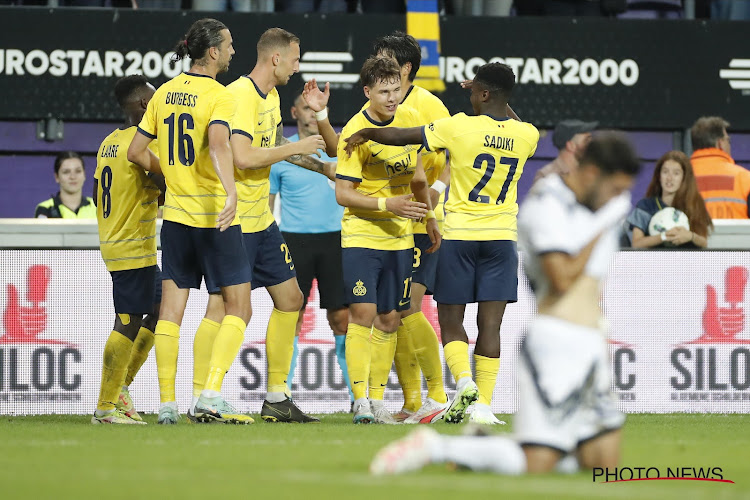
[{"x": 568, "y": 230}]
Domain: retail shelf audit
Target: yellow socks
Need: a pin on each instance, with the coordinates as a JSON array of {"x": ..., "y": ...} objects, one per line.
[
  {"x": 203, "y": 346},
  {"x": 383, "y": 348},
  {"x": 407, "y": 369},
  {"x": 487, "y": 369},
  {"x": 115, "y": 363},
  {"x": 167, "y": 344},
  {"x": 457, "y": 359},
  {"x": 141, "y": 347},
  {"x": 427, "y": 351},
  {"x": 358, "y": 358},
  {"x": 226, "y": 346},
  {"x": 280, "y": 348}
]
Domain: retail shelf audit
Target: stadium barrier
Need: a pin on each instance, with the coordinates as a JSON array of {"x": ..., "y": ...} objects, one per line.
[
  {"x": 622, "y": 73},
  {"x": 677, "y": 321}
]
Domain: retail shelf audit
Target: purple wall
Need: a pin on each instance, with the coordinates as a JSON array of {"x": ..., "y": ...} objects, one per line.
[{"x": 26, "y": 163}]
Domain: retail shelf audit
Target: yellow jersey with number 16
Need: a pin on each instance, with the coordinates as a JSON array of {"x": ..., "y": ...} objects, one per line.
[
  {"x": 179, "y": 115},
  {"x": 126, "y": 206},
  {"x": 487, "y": 158}
]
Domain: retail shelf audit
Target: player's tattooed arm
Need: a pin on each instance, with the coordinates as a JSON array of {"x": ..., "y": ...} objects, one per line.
[{"x": 308, "y": 162}]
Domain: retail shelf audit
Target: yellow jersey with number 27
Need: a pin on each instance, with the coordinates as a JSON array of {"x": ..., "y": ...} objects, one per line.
[{"x": 487, "y": 158}]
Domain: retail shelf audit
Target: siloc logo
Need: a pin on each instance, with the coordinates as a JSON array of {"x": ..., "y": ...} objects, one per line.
[{"x": 46, "y": 371}]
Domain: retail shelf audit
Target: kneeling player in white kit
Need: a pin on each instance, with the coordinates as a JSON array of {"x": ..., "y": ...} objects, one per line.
[{"x": 568, "y": 230}]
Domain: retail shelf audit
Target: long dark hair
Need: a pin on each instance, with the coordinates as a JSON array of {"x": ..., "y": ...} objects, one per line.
[
  {"x": 202, "y": 35},
  {"x": 687, "y": 198}
]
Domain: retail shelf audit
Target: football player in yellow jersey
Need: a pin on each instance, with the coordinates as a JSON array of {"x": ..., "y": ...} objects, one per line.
[
  {"x": 479, "y": 261},
  {"x": 377, "y": 184},
  {"x": 201, "y": 238},
  {"x": 257, "y": 143},
  {"x": 126, "y": 206}
]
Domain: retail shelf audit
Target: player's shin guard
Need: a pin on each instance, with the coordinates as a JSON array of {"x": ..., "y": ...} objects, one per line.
[
  {"x": 341, "y": 358},
  {"x": 225, "y": 349},
  {"x": 114, "y": 365},
  {"x": 141, "y": 347},
  {"x": 167, "y": 346},
  {"x": 487, "y": 369},
  {"x": 203, "y": 346},
  {"x": 427, "y": 351},
  {"x": 457, "y": 359},
  {"x": 407, "y": 369},
  {"x": 292, "y": 365},
  {"x": 383, "y": 348},
  {"x": 358, "y": 358},
  {"x": 280, "y": 348}
]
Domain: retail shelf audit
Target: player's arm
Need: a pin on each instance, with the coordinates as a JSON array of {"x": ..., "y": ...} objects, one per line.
[
  {"x": 220, "y": 151},
  {"x": 271, "y": 200},
  {"x": 403, "y": 206},
  {"x": 318, "y": 100},
  {"x": 421, "y": 191},
  {"x": 440, "y": 185},
  {"x": 247, "y": 156},
  {"x": 95, "y": 194},
  {"x": 562, "y": 269},
  {"x": 304, "y": 160},
  {"x": 394, "y": 136},
  {"x": 140, "y": 154}
]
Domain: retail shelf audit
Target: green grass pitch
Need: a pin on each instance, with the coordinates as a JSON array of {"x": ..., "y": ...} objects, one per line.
[{"x": 66, "y": 457}]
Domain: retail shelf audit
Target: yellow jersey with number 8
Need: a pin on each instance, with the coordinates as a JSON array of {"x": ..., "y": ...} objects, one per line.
[
  {"x": 126, "y": 206},
  {"x": 487, "y": 158},
  {"x": 179, "y": 115}
]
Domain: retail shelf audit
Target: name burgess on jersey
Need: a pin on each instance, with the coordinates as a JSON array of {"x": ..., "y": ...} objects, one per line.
[{"x": 181, "y": 99}]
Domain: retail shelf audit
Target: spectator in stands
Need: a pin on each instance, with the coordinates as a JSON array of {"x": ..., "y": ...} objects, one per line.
[
  {"x": 724, "y": 185},
  {"x": 69, "y": 202},
  {"x": 236, "y": 5},
  {"x": 672, "y": 185},
  {"x": 571, "y": 138},
  {"x": 311, "y": 226}
]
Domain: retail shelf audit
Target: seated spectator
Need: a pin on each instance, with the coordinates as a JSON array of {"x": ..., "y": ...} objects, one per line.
[
  {"x": 672, "y": 185},
  {"x": 69, "y": 202},
  {"x": 571, "y": 138},
  {"x": 724, "y": 185}
]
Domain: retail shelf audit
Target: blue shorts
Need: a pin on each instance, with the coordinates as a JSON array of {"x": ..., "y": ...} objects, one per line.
[
  {"x": 425, "y": 264},
  {"x": 191, "y": 253},
  {"x": 136, "y": 291},
  {"x": 477, "y": 271},
  {"x": 268, "y": 256},
  {"x": 381, "y": 277}
]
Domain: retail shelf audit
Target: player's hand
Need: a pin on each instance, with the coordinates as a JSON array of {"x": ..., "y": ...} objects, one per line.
[
  {"x": 226, "y": 216},
  {"x": 314, "y": 98},
  {"x": 354, "y": 140},
  {"x": 679, "y": 236},
  {"x": 434, "y": 233},
  {"x": 405, "y": 206},
  {"x": 311, "y": 145},
  {"x": 467, "y": 84}
]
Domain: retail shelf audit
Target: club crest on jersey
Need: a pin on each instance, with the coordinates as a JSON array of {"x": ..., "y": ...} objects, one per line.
[
  {"x": 265, "y": 141},
  {"x": 359, "y": 289}
]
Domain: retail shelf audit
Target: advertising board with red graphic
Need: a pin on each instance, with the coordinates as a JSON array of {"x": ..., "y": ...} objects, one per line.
[{"x": 680, "y": 341}]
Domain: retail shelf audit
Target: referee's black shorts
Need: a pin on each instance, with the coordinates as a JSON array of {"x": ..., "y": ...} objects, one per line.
[{"x": 318, "y": 256}]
